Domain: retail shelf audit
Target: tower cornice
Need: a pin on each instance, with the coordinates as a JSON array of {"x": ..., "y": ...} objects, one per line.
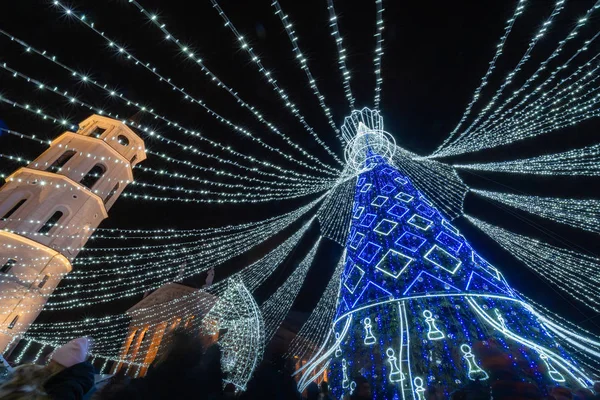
[
  {"x": 50, "y": 175},
  {"x": 96, "y": 141},
  {"x": 39, "y": 246}
]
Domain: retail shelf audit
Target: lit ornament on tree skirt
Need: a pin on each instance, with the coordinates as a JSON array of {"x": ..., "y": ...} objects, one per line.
[{"x": 419, "y": 310}]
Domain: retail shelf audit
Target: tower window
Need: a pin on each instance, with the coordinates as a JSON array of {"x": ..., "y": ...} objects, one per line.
[
  {"x": 61, "y": 161},
  {"x": 43, "y": 281},
  {"x": 52, "y": 221},
  {"x": 93, "y": 176},
  {"x": 123, "y": 141},
  {"x": 97, "y": 132},
  {"x": 13, "y": 322},
  {"x": 112, "y": 193},
  {"x": 13, "y": 210},
  {"x": 8, "y": 265}
]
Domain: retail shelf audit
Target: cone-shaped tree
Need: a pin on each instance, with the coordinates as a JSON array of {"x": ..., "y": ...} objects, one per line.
[{"x": 419, "y": 310}]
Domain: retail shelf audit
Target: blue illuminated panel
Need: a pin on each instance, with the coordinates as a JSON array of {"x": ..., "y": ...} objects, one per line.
[
  {"x": 397, "y": 211},
  {"x": 449, "y": 242},
  {"x": 367, "y": 220},
  {"x": 404, "y": 197},
  {"x": 379, "y": 201},
  {"x": 440, "y": 257},
  {"x": 369, "y": 252},
  {"x": 410, "y": 241},
  {"x": 385, "y": 227},
  {"x": 420, "y": 222}
]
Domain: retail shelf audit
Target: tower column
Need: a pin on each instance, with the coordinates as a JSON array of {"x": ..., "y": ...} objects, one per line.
[{"x": 49, "y": 209}]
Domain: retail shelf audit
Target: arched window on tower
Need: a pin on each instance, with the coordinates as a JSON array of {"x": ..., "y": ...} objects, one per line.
[
  {"x": 93, "y": 176},
  {"x": 13, "y": 322},
  {"x": 61, "y": 161},
  {"x": 97, "y": 132},
  {"x": 52, "y": 221},
  {"x": 43, "y": 281},
  {"x": 8, "y": 265},
  {"x": 14, "y": 209},
  {"x": 123, "y": 140},
  {"x": 114, "y": 190}
]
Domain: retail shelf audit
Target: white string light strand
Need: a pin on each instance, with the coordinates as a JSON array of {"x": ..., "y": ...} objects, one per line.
[
  {"x": 378, "y": 52},
  {"x": 335, "y": 213},
  {"x": 558, "y": 7},
  {"x": 274, "y": 193},
  {"x": 74, "y": 100},
  {"x": 474, "y": 142},
  {"x": 584, "y": 214},
  {"x": 573, "y": 273},
  {"x": 122, "y": 51},
  {"x": 342, "y": 54},
  {"x": 61, "y": 122},
  {"x": 106, "y": 329},
  {"x": 549, "y": 101},
  {"x": 156, "y": 274},
  {"x": 153, "y": 18},
  {"x": 578, "y": 340},
  {"x": 491, "y": 120},
  {"x": 287, "y": 25},
  {"x": 267, "y": 76},
  {"x": 577, "y": 162},
  {"x": 314, "y": 331},
  {"x": 279, "y": 304},
  {"x": 484, "y": 81},
  {"x": 438, "y": 181}
]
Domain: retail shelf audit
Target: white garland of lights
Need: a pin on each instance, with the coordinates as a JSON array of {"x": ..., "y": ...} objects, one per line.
[
  {"x": 229, "y": 199},
  {"x": 576, "y": 339},
  {"x": 342, "y": 54},
  {"x": 335, "y": 213},
  {"x": 314, "y": 331},
  {"x": 485, "y": 80},
  {"x": 378, "y": 52},
  {"x": 302, "y": 182},
  {"x": 148, "y": 251},
  {"x": 62, "y": 122},
  {"x": 267, "y": 75},
  {"x": 154, "y": 274},
  {"x": 573, "y": 273},
  {"x": 278, "y": 193},
  {"x": 153, "y": 18},
  {"x": 584, "y": 214},
  {"x": 287, "y": 25},
  {"x": 73, "y": 100},
  {"x": 548, "y": 104},
  {"x": 539, "y": 90},
  {"x": 439, "y": 182},
  {"x": 122, "y": 50},
  {"x": 577, "y": 162},
  {"x": 480, "y": 139},
  {"x": 275, "y": 309},
  {"x": 558, "y": 7},
  {"x": 119, "y": 287},
  {"x": 111, "y": 330}
]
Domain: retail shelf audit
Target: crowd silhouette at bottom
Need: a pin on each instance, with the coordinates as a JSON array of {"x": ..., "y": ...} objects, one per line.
[{"x": 190, "y": 370}]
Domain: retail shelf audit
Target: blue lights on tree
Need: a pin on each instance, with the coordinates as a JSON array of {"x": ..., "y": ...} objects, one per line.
[{"x": 420, "y": 312}]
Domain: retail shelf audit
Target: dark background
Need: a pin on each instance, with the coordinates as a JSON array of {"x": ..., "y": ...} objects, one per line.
[{"x": 435, "y": 55}]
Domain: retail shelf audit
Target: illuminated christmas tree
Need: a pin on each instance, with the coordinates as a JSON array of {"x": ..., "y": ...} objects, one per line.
[{"x": 419, "y": 309}]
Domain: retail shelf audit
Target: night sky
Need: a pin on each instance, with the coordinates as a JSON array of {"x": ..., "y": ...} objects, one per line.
[{"x": 435, "y": 55}]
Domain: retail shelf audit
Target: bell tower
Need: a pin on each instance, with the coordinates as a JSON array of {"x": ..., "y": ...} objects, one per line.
[{"x": 49, "y": 209}]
